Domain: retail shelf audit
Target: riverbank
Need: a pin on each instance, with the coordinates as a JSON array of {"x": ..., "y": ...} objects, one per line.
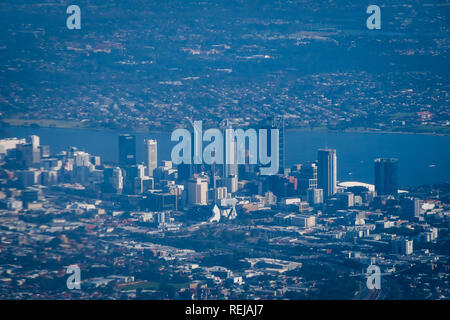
[
  {"x": 64, "y": 124},
  {"x": 423, "y": 159}
]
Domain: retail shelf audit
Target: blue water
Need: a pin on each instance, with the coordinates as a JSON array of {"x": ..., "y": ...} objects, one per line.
[{"x": 355, "y": 151}]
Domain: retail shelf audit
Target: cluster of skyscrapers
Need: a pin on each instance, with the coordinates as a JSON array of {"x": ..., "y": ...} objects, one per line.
[{"x": 167, "y": 187}]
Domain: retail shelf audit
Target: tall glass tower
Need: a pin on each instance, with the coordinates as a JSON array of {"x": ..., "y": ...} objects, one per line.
[
  {"x": 386, "y": 176},
  {"x": 151, "y": 156},
  {"x": 327, "y": 171},
  {"x": 127, "y": 150}
]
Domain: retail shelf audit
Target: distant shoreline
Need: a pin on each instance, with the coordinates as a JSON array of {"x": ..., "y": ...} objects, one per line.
[{"x": 63, "y": 124}]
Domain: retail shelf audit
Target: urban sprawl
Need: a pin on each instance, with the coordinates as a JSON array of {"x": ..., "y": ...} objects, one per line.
[{"x": 194, "y": 231}]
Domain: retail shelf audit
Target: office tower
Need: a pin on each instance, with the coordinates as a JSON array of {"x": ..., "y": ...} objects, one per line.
[
  {"x": 283, "y": 186},
  {"x": 27, "y": 155},
  {"x": 278, "y": 123},
  {"x": 148, "y": 183},
  {"x": 410, "y": 207},
  {"x": 315, "y": 196},
  {"x": 113, "y": 180},
  {"x": 132, "y": 178},
  {"x": 82, "y": 167},
  {"x": 160, "y": 201},
  {"x": 82, "y": 159},
  {"x": 117, "y": 179},
  {"x": 8, "y": 144},
  {"x": 96, "y": 161},
  {"x": 35, "y": 141},
  {"x": 49, "y": 177},
  {"x": 386, "y": 176},
  {"x": 28, "y": 178},
  {"x": 127, "y": 150},
  {"x": 45, "y": 151},
  {"x": 304, "y": 221},
  {"x": 151, "y": 155},
  {"x": 402, "y": 246},
  {"x": 307, "y": 177},
  {"x": 327, "y": 171},
  {"x": 198, "y": 191},
  {"x": 346, "y": 200}
]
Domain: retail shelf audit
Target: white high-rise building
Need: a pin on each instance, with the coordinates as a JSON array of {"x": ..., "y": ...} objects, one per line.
[
  {"x": 402, "y": 246},
  {"x": 198, "y": 191},
  {"x": 315, "y": 196},
  {"x": 305, "y": 221},
  {"x": 35, "y": 141},
  {"x": 151, "y": 156},
  {"x": 117, "y": 179},
  {"x": 327, "y": 172},
  {"x": 9, "y": 143},
  {"x": 82, "y": 159}
]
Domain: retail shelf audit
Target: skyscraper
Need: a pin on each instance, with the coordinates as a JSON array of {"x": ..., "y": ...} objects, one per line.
[
  {"x": 327, "y": 171},
  {"x": 315, "y": 196},
  {"x": 133, "y": 175},
  {"x": 230, "y": 166},
  {"x": 402, "y": 246},
  {"x": 410, "y": 207},
  {"x": 151, "y": 155},
  {"x": 386, "y": 176},
  {"x": 27, "y": 155},
  {"x": 307, "y": 177},
  {"x": 198, "y": 191},
  {"x": 113, "y": 180},
  {"x": 127, "y": 150},
  {"x": 278, "y": 123},
  {"x": 35, "y": 141}
]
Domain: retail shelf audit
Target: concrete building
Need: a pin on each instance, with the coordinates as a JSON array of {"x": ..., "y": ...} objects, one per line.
[
  {"x": 198, "y": 191},
  {"x": 151, "y": 156}
]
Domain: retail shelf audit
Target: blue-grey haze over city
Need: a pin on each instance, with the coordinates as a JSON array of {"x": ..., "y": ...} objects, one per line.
[{"x": 355, "y": 94}]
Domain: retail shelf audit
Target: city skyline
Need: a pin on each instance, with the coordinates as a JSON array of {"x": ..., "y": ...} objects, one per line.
[
  {"x": 169, "y": 203},
  {"x": 244, "y": 151}
]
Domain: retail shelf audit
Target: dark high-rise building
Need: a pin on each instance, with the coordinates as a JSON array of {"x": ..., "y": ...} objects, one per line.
[
  {"x": 159, "y": 201},
  {"x": 278, "y": 123},
  {"x": 127, "y": 150},
  {"x": 151, "y": 155},
  {"x": 386, "y": 176},
  {"x": 307, "y": 177},
  {"x": 28, "y": 155},
  {"x": 327, "y": 171},
  {"x": 410, "y": 207},
  {"x": 132, "y": 175}
]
